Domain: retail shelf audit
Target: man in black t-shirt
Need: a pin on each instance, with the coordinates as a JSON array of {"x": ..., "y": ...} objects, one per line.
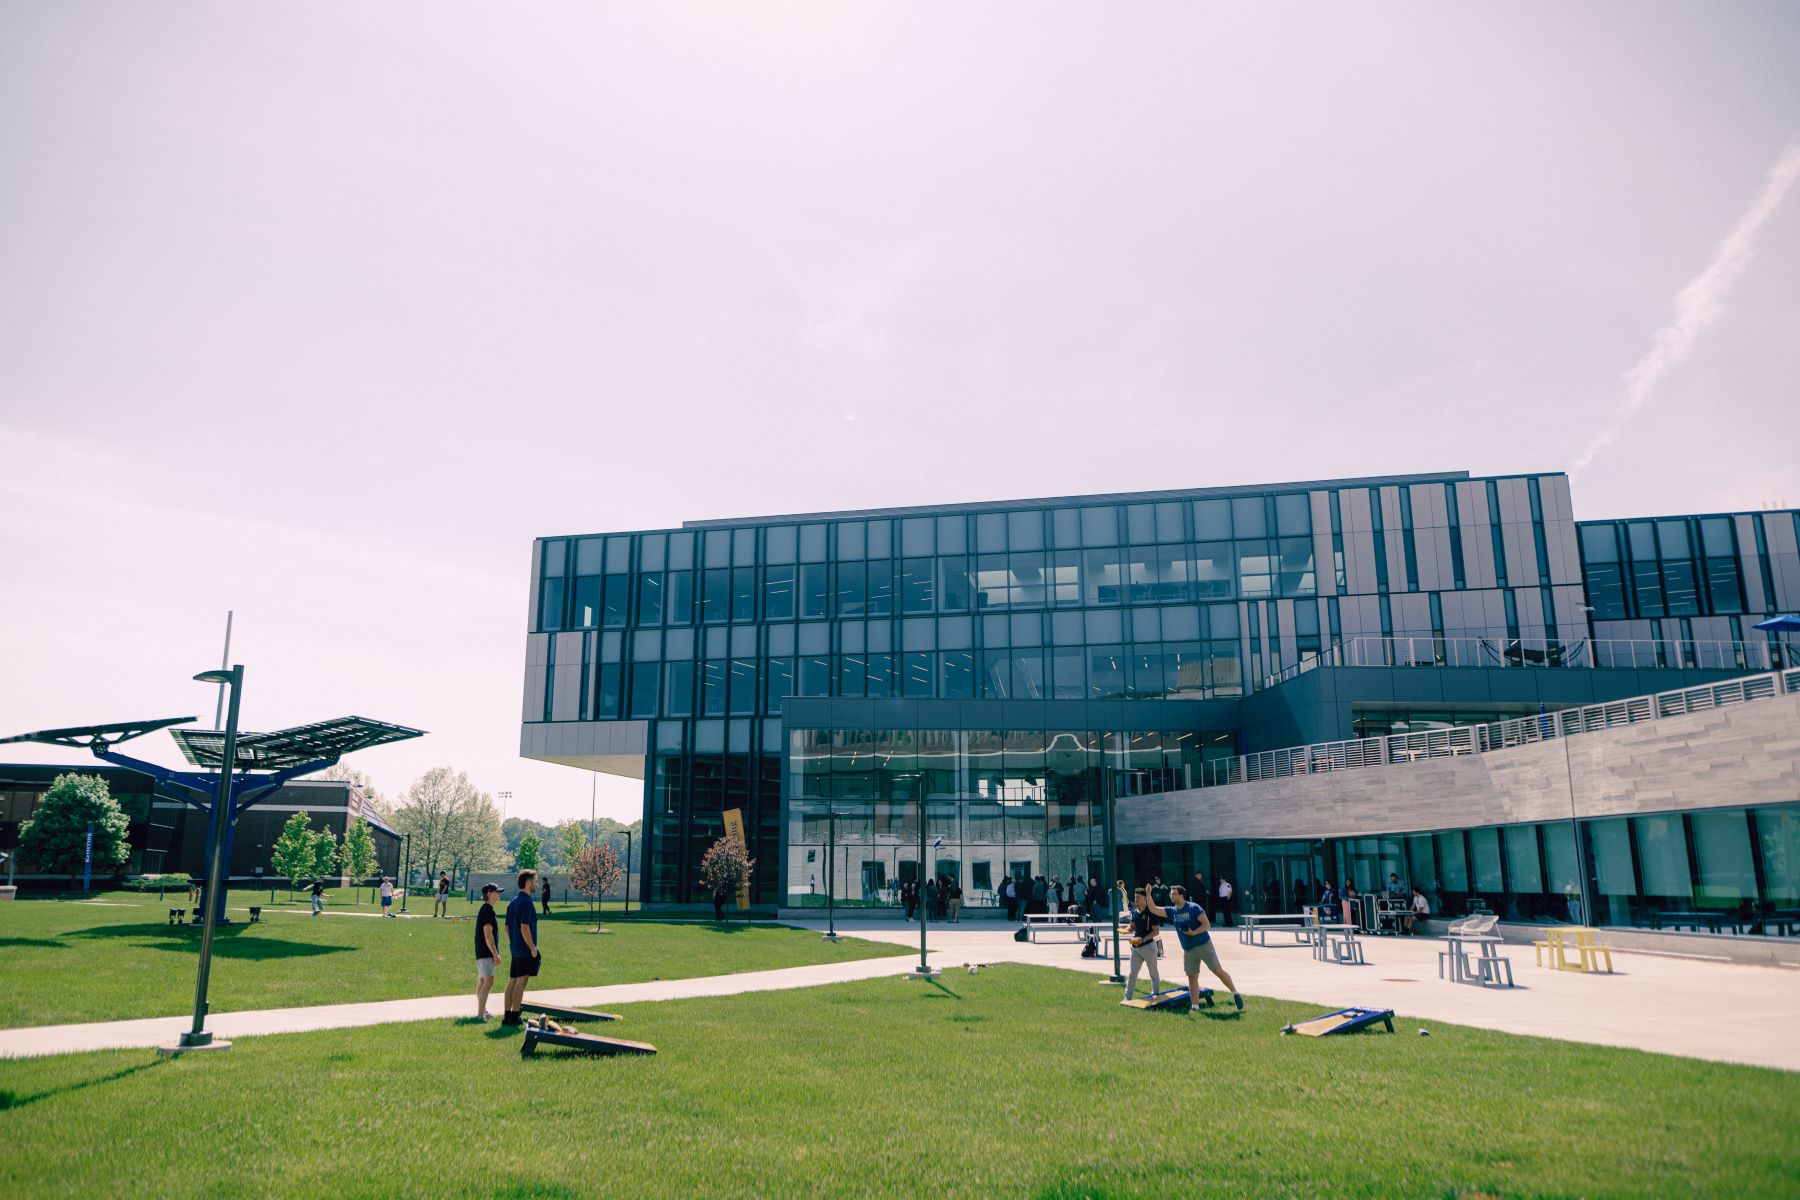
[{"x": 487, "y": 949}]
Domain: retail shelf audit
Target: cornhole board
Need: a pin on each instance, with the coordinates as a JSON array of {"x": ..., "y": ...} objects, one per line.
[
  {"x": 544, "y": 1033},
  {"x": 568, "y": 1014},
  {"x": 1344, "y": 1020},
  {"x": 1168, "y": 998}
]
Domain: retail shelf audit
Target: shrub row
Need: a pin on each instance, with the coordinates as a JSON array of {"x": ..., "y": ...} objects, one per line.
[{"x": 175, "y": 881}]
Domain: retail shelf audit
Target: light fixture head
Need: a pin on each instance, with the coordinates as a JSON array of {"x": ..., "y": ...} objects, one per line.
[{"x": 213, "y": 677}]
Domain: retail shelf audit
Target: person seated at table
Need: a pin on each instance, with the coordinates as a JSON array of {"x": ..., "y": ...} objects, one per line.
[
  {"x": 1328, "y": 902},
  {"x": 1352, "y": 913},
  {"x": 1395, "y": 887},
  {"x": 1421, "y": 909}
]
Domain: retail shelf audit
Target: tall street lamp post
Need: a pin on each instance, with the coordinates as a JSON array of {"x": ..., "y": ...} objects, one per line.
[
  {"x": 924, "y": 970},
  {"x": 1114, "y": 902},
  {"x": 831, "y": 933},
  {"x": 198, "y": 1038}
]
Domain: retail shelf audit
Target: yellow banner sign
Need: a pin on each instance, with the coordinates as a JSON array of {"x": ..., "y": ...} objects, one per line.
[{"x": 734, "y": 827}]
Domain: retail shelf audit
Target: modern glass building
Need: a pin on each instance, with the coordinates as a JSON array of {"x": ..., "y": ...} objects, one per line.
[{"x": 1007, "y": 667}]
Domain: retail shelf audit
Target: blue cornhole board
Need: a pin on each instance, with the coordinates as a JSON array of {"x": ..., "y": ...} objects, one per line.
[
  {"x": 567, "y": 1014},
  {"x": 543, "y": 1033},
  {"x": 1344, "y": 1020},
  {"x": 1168, "y": 998}
]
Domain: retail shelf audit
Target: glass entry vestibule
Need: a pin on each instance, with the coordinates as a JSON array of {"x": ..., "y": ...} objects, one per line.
[
  {"x": 1286, "y": 875},
  {"x": 998, "y": 804}
]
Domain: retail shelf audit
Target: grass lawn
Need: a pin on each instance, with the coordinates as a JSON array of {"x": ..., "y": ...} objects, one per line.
[
  {"x": 1020, "y": 1081},
  {"x": 69, "y": 962}
]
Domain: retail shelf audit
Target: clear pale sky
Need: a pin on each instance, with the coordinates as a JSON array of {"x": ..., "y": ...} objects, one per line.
[{"x": 320, "y": 312}]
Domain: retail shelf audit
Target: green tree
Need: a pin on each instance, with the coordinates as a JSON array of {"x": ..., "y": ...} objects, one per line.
[
  {"x": 454, "y": 826},
  {"x": 292, "y": 854},
  {"x": 55, "y": 838},
  {"x": 325, "y": 854},
  {"x": 357, "y": 853},
  {"x": 527, "y": 857},
  {"x": 515, "y": 829},
  {"x": 573, "y": 839}
]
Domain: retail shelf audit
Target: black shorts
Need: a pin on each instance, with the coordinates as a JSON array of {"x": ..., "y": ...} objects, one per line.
[{"x": 526, "y": 968}]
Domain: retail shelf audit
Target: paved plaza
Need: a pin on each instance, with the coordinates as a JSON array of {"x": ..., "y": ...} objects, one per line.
[{"x": 1712, "y": 1010}]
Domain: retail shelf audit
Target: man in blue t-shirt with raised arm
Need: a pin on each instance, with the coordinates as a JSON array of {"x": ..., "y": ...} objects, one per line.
[
  {"x": 521, "y": 936},
  {"x": 1192, "y": 927}
]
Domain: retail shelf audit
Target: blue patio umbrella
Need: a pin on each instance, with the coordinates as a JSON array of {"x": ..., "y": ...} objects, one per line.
[{"x": 1785, "y": 623}]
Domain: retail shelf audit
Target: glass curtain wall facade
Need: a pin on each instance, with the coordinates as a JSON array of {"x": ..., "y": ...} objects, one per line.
[
  {"x": 1690, "y": 588},
  {"x": 702, "y": 633},
  {"x": 1724, "y": 870},
  {"x": 997, "y": 803}
]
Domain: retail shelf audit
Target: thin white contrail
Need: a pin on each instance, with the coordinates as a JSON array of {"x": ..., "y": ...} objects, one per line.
[{"x": 1698, "y": 304}]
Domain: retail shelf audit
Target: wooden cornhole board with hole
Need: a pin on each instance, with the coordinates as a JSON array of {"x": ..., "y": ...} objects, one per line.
[
  {"x": 1168, "y": 998},
  {"x": 1344, "y": 1020},
  {"x": 548, "y": 1033},
  {"x": 568, "y": 1014}
]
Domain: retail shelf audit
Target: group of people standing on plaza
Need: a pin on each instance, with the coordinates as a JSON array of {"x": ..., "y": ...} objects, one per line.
[
  {"x": 942, "y": 896},
  {"x": 1028, "y": 896}
]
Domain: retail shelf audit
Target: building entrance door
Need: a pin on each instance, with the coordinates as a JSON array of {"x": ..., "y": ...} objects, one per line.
[{"x": 1287, "y": 876}]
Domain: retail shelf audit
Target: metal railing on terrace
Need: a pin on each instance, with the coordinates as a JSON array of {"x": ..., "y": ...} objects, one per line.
[
  {"x": 1666, "y": 653},
  {"x": 1454, "y": 742}
]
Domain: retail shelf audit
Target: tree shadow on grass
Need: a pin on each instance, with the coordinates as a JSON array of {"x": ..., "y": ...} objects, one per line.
[
  {"x": 28, "y": 943},
  {"x": 10, "y": 1100},
  {"x": 227, "y": 942}
]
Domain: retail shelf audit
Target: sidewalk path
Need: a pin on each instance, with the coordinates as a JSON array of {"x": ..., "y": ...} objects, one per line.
[
  {"x": 158, "y": 1031},
  {"x": 1721, "y": 1011}
]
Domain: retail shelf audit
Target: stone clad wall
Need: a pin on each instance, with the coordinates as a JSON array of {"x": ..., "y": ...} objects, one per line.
[{"x": 1739, "y": 755}]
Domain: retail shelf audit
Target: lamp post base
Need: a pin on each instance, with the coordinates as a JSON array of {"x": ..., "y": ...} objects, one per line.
[
  {"x": 924, "y": 973},
  {"x": 1112, "y": 981},
  {"x": 832, "y": 937},
  {"x": 188, "y": 1044}
]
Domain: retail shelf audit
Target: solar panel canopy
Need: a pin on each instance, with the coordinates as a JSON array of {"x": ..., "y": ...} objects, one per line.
[
  {"x": 104, "y": 735},
  {"x": 290, "y": 747}
]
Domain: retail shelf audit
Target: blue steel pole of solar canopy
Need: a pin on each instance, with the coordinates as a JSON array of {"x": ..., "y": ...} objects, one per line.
[{"x": 198, "y": 1038}]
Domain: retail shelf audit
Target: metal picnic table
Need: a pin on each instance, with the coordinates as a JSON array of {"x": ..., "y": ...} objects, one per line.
[
  {"x": 1484, "y": 967},
  {"x": 1256, "y": 927}
]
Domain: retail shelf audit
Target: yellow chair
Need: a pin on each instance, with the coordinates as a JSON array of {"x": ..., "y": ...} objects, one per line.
[
  {"x": 1553, "y": 945},
  {"x": 1591, "y": 951}
]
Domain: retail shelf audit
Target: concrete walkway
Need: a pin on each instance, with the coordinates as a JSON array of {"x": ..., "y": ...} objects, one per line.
[
  {"x": 1720, "y": 1011},
  {"x": 158, "y": 1031}
]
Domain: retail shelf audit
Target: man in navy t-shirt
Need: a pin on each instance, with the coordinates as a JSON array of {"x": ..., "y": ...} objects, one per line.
[
  {"x": 521, "y": 936},
  {"x": 1192, "y": 927}
]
